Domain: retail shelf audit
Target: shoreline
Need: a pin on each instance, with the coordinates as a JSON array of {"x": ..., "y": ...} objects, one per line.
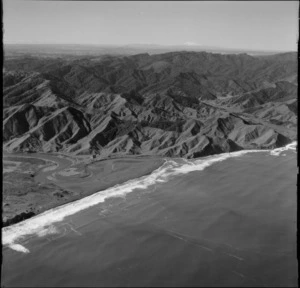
[
  {"x": 87, "y": 187},
  {"x": 157, "y": 217},
  {"x": 94, "y": 177}
]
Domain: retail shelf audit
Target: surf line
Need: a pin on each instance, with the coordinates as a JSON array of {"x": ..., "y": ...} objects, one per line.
[
  {"x": 14, "y": 234},
  {"x": 277, "y": 151}
]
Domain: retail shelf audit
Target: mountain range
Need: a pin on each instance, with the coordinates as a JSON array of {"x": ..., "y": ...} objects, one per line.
[{"x": 176, "y": 104}]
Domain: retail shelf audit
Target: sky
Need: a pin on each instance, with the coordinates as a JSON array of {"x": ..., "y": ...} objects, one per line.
[{"x": 252, "y": 25}]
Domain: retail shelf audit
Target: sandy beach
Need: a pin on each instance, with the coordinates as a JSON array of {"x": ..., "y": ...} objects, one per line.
[
  {"x": 183, "y": 225},
  {"x": 34, "y": 183}
]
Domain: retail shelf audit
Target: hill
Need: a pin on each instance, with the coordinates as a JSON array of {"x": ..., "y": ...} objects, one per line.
[{"x": 181, "y": 104}]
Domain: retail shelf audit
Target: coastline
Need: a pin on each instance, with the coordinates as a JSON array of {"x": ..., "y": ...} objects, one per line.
[
  {"x": 94, "y": 175},
  {"x": 43, "y": 223},
  {"x": 58, "y": 184}
]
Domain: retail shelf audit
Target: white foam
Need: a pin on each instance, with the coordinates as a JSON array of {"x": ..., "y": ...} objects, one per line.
[
  {"x": 19, "y": 248},
  {"x": 42, "y": 224},
  {"x": 277, "y": 151},
  {"x": 46, "y": 231}
]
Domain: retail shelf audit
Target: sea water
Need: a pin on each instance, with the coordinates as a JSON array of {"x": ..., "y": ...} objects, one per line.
[{"x": 224, "y": 220}]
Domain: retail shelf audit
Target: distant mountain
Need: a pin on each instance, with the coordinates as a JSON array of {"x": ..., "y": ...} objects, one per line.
[
  {"x": 156, "y": 49},
  {"x": 17, "y": 50},
  {"x": 183, "y": 104}
]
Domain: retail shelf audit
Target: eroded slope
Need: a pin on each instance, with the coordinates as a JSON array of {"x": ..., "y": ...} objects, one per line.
[{"x": 182, "y": 104}]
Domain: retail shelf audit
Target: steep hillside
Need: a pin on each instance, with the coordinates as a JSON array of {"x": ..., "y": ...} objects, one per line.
[{"x": 183, "y": 104}]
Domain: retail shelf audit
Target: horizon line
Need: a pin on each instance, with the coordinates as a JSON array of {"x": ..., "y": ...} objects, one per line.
[{"x": 149, "y": 44}]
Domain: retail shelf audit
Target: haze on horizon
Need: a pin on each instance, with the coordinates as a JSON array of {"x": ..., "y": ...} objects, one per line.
[{"x": 257, "y": 25}]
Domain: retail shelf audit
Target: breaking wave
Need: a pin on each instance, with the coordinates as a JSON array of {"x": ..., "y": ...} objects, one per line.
[
  {"x": 42, "y": 224},
  {"x": 277, "y": 151}
]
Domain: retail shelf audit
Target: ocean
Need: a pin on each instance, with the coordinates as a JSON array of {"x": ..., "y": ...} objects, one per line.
[{"x": 223, "y": 220}]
